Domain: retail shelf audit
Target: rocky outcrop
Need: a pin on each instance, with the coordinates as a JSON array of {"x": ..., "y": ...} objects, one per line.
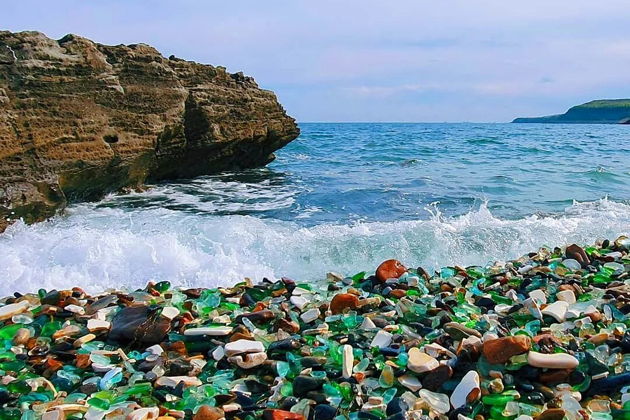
[{"x": 79, "y": 119}]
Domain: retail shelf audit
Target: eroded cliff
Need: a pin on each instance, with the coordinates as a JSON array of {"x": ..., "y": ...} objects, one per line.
[{"x": 79, "y": 119}]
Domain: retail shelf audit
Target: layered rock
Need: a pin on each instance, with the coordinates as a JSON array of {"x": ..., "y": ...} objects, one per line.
[{"x": 79, "y": 119}]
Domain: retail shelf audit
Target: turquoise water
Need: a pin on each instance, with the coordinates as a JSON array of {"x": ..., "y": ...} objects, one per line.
[{"x": 344, "y": 197}]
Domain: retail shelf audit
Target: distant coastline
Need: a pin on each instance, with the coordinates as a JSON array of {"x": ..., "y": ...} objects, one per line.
[{"x": 603, "y": 111}]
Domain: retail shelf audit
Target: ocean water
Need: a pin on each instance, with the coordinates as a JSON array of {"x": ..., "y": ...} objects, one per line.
[{"x": 343, "y": 197}]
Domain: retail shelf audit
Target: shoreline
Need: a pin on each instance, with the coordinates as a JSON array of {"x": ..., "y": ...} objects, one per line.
[{"x": 542, "y": 336}]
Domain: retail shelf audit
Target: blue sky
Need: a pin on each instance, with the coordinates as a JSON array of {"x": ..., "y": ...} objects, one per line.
[{"x": 365, "y": 60}]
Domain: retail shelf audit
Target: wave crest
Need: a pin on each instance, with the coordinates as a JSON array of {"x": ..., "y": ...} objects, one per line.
[{"x": 110, "y": 247}]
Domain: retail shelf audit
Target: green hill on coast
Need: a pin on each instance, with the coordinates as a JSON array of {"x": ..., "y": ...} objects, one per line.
[{"x": 603, "y": 111}]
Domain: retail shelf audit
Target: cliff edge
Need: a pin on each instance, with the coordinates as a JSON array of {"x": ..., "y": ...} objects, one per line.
[{"x": 79, "y": 119}]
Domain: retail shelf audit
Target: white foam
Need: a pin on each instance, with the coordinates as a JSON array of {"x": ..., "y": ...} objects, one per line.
[{"x": 96, "y": 248}]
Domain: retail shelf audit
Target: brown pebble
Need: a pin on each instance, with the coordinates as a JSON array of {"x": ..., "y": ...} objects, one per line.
[
  {"x": 546, "y": 342},
  {"x": 53, "y": 365},
  {"x": 288, "y": 326},
  {"x": 240, "y": 336},
  {"x": 206, "y": 412},
  {"x": 595, "y": 316},
  {"x": 258, "y": 317},
  {"x": 343, "y": 301},
  {"x": 445, "y": 287},
  {"x": 398, "y": 293},
  {"x": 178, "y": 347},
  {"x": 577, "y": 253},
  {"x": 390, "y": 269},
  {"x": 551, "y": 414},
  {"x": 555, "y": 376},
  {"x": 82, "y": 361},
  {"x": 500, "y": 350}
]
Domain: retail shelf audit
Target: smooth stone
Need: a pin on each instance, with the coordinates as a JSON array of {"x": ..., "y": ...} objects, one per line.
[
  {"x": 98, "y": 325},
  {"x": 551, "y": 414},
  {"x": 75, "y": 309},
  {"x": 8, "y": 311},
  {"x": 390, "y": 269},
  {"x": 299, "y": 301},
  {"x": 557, "y": 310},
  {"x": 552, "y": 361},
  {"x": 218, "y": 353},
  {"x": 459, "y": 331},
  {"x": 257, "y": 317},
  {"x": 420, "y": 362},
  {"x": 211, "y": 331},
  {"x": 500, "y": 350},
  {"x": 368, "y": 324},
  {"x": 173, "y": 381},
  {"x": 410, "y": 382},
  {"x": 243, "y": 346},
  {"x": 381, "y": 339},
  {"x": 148, "y": 413},
  {"x": 99, "y": 304},
  {"x": 525, "y": 269},
  {"x": 155, "y": 349},
  {"x": 206, "y": 412},
  {"x": 467, "y": 390},
  {"x": 538, "y": 295},
  {"x": 348, "y": 361},
  {"x": 248, "y": 360},
  {"x": 298, "y": 291},
  {"x": 572, "y": 264},
  {"x": 82, "y": 340},
  {"x": 566, "y": 296},
  {"x": 437, "y": 401},
  {"x": 288, "y": 344},
  {"x": 170, "y": 312},
  {"x": 310, "y": 315},
  {"x": 343, "y": 301}
]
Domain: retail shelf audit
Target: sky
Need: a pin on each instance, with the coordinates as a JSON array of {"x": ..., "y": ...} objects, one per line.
[{"x": 367, "y": 60}]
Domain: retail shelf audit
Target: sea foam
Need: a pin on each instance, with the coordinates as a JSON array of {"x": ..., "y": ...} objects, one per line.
[{"x": 98, "y": 248}]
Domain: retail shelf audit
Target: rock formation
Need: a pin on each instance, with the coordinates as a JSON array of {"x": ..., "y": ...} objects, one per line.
[{"x": 79, "y": 119}]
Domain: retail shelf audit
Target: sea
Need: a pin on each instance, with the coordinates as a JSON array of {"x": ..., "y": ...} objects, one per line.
[{"x": 342, "y": 198}]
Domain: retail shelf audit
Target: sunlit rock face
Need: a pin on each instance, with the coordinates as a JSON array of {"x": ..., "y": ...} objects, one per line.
[{"x": 79, "y": 119}]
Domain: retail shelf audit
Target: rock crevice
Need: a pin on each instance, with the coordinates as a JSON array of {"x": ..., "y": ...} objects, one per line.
[{"x": 80, "y": 119}]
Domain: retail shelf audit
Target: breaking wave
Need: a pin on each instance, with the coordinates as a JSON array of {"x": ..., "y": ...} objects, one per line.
[{"x": 98, "y": 248}]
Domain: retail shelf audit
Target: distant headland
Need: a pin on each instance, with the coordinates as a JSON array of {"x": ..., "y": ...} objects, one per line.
[{"x": 603, "y": 111}]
